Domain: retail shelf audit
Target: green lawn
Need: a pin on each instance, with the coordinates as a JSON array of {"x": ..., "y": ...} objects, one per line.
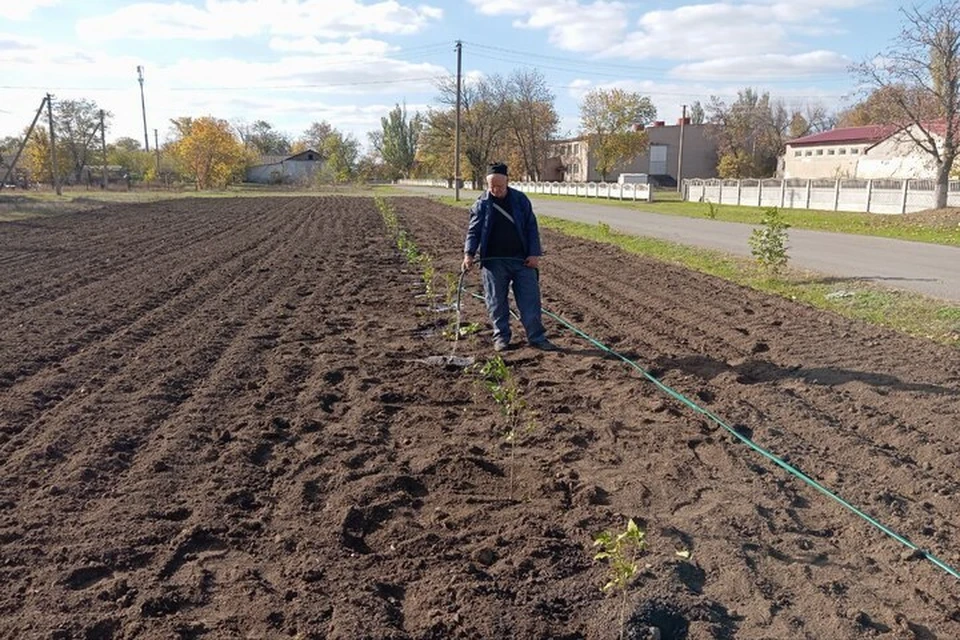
[{"x": 906, "y": 312}]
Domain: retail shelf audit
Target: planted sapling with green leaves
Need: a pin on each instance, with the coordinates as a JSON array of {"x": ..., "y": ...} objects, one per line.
[
  {"x": 768, "y": 244},
  {"x": 506, "y": 393},
  {"x": 620, "y": 551}
]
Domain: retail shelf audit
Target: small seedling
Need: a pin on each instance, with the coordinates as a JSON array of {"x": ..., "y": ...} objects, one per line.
[
  {"x": 429, "y": 273},
  {"x": 603, "y": 228},
  {"x": 452, "y": 283},
  {"x": 620, "y": 551},
  {"x": 768, "y": 244},
  {"x": 711, "y": 210},
  {"x": 465, "y": 330},
  {"x": 506, "y": 393}
]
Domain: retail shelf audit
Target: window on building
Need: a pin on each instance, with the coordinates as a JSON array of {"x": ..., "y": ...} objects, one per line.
[
  {"x": 854, "y": 151},
  {"x": 819, "y": 152},
  {"x": 843, "y": 152},
  {"x": 830, "y": 152},
  {"x": 576, "y": 147},
  {"x": 797, "y": 153},
  {"x": 808, "y": 153}
]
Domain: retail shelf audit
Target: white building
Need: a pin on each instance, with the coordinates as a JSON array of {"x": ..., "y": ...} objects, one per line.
[
  {"x": 831, "y": 154},
  {"x": 298, "y": 168},
  {"x": 873, "y": 152}
]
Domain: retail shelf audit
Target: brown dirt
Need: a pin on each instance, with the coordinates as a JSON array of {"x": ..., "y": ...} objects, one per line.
[
  {"x": 213, "y": 424},
  {"x": 945, "y": 219}
]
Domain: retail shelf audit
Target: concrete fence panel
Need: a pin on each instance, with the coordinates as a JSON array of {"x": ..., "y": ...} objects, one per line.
[{"x": 883, "y": 196}]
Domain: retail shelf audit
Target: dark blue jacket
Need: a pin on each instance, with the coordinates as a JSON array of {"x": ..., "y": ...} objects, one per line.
[{"x": 478, "y": 231}]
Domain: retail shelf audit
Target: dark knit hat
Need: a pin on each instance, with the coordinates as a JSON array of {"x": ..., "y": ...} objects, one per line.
[{"x": 497, "y": 168}]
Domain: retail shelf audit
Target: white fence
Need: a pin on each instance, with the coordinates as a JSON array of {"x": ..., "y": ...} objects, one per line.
[
  {"x": 445, "y": 184},
  {"x": 872, "y": 196},
  {"x": 609, "y": 190}
]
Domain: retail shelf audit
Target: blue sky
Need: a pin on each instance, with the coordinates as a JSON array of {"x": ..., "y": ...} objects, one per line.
[{"x": 292, "y": 62}]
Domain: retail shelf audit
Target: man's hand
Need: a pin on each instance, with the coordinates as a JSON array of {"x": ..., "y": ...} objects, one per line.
[
  {"x": 467, "y": 262},
  {"x": 532, "y": 261}
]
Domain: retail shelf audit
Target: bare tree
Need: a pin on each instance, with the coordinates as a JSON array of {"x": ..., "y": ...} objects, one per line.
[
  {"x": 77, "y": 121},
  {"x": 697, "y": 114},
  {"x": 482, "y": 121},
  {"x": 750, "y": 134},
  {"x": 921, "y": 73},
  {"x": 532, "y": 118}
]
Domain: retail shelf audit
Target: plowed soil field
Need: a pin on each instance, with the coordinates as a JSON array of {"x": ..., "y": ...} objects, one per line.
[{"x": 215, "y": 423}]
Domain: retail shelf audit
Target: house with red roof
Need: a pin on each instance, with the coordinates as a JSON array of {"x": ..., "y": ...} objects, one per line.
[
  {"x": 833, "y": 154},
  {"x": 874, "y": 152}
]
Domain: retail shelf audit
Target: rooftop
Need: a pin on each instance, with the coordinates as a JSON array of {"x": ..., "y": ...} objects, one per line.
[{"x": 870, "y": 133}]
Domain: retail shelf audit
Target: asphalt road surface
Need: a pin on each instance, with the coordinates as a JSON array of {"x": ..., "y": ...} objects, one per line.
[{"x": 929, "y": 269}]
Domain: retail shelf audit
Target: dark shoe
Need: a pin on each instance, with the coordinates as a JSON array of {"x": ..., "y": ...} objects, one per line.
[
  {"x": 544, "y": 345},
  {"x": 500, "y": 345}
]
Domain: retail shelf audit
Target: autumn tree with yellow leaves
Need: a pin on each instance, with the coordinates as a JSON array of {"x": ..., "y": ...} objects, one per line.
[
  {"x": 208, "y": 152},
  {"x": 613, "y": 122}
]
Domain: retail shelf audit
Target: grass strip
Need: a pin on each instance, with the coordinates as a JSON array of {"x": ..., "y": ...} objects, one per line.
[{"x": 902, "y": 311}]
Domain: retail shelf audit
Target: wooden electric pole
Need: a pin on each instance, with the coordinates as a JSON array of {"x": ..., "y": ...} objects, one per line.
[
  {"x": 456, "y": 157},
  {"x": 156, "y": 148},
  {"x": 53, "y": 147},
  {"x": 23, "y": 144},
  {"x": 143, "y": 108},
  {"x": 103, "y": 149}
]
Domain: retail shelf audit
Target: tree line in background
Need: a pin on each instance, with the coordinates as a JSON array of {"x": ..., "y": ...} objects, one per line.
[
  {"x": 513, "y": 119},
  {"x": 509, "y": 119}
]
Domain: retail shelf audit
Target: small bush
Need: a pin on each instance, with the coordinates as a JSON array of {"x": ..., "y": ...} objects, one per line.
[{"x": 768, "y": 244}]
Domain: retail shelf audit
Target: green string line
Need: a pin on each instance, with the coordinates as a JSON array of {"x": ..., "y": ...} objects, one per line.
[{"x": 753, "y": 445}]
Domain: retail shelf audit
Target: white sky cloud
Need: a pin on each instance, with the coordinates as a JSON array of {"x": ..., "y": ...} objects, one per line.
[
  {"x": 571, "y": 25},
  {"x": 293, "y": 61},
  {"x": 289, "y": 89},
  {"x": 224, "y": 19},
  {"x": 22, "y": 9},
  {"x": 766, "y": 66},
  {"x": 703, "y": 32},
  {"x": 352, "y": 47}
]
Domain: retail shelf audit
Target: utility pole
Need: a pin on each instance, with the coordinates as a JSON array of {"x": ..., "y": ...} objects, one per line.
[
  {"x": 143, "y": 108},
  {"x": 103, "y": 149},
  {"x": 23, "y": 144},
  {"x": 456, "y": 158},
  {"x": 683, "y": 121},
  {"x": 53, "y": 147},
  {"x": 156, "y": 148}
]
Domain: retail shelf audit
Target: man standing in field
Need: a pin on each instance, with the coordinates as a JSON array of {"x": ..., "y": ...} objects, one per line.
[{"x": 504, "y": 232}]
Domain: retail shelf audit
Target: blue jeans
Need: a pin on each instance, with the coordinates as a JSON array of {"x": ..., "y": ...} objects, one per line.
[{"x": 497, "y": 276}]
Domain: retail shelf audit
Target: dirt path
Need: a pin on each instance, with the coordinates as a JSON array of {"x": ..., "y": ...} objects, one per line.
[{"x": 213, "y": 424}]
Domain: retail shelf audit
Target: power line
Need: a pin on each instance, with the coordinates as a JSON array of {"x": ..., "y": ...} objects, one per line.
[
  {"x": 619, "y": 76},
  {"x": 237, "y": 88},
  {"x": 572, "y": 64},
  {"x": 698, "y": 95}
]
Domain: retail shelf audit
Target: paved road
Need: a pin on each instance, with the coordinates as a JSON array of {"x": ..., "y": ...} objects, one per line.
[{"x": 932, "y": 270}]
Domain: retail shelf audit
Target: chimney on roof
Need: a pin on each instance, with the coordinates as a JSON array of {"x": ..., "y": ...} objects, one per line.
[
  {"x": 658, "y": 123},
  {"x": 683, "y": 121},
  {"x": 638, "y": 126}
]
